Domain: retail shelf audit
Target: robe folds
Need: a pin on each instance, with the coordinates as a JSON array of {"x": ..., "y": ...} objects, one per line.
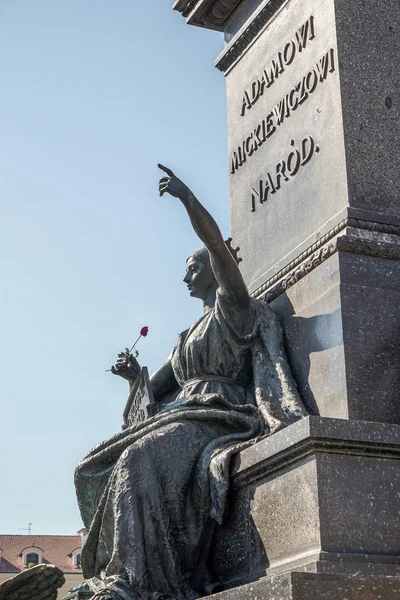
[{"x": 150, "y": 495}]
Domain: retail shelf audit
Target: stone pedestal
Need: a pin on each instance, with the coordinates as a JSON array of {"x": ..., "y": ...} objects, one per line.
[
  {"x": 313, "y": 104},
  {"x": 312, "y": 586},
  {"x": 321, "y": 497},
  {"x": 313, "y": 98}
]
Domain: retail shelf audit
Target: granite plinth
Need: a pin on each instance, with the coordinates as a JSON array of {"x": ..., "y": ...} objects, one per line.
[
  {"x": 310, "y": 586},
  {"x": 313, "y": 99},
  {"x": 313, "y": 105},
  {"x": 320, "y": 496},
  {"x": 322, "y": 70},
  {"x": 342, "y": 324},
  {"x": 342, "y": 348}
]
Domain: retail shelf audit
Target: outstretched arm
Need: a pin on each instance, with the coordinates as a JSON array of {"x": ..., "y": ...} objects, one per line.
[{"x": 225, "y": 269}]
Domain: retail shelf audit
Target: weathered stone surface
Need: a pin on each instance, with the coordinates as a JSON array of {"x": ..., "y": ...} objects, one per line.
[
  {"x": 324, "y": 246},
  {"x": 368, "y": 37},
  {"x": 301, "y": 100},
  {"x": 310, "y": 586},
  {"x": 342, "y": 324},
  {"x": 352, "y": 111},
  {"x": 38, "y": 583},
  {"x": 321, "y": 496}
]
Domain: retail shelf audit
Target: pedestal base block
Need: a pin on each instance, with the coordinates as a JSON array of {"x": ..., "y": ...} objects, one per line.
[
  {"x": 315, "y": 586},
  {"x": 319, "y": 497}
]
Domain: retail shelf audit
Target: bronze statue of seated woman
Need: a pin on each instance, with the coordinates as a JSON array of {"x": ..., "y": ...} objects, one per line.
[{"x": 151, "y": 495}]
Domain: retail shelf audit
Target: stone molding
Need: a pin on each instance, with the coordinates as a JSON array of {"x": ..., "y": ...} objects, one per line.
[
  {"x": 185, "y": 6},
  {"x": 246, "y": 35},
  {"x": 306, "y": 449},
  {"x": 221, "y": 11},
  {"x": 205, "y": 13},
  {"x": 312, "y": 435},
  {"x": 326, "y": 247},
  {"x": 368, "y": 247},
  {"x": 295, "y": 585}
]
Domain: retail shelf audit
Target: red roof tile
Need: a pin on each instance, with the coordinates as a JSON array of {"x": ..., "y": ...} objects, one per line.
[{"x": 55, "y": 551}]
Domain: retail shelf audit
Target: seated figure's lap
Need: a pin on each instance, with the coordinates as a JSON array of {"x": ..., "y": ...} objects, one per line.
[{"x": 175, "y": 445}]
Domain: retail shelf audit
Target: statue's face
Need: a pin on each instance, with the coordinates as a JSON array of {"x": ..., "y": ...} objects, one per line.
[{"x": 199, "y": 278}]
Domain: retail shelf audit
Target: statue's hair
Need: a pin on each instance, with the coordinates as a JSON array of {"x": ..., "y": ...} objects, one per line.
[{"x": 202, "y": 256}]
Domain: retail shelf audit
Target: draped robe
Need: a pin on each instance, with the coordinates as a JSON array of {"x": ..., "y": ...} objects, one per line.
[{"x": 150, "y": 495}]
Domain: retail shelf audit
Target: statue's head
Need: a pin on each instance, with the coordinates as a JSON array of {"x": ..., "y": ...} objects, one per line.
[{"x": 199, "y": 276}]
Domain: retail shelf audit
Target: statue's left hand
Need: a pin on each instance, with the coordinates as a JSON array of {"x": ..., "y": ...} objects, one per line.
[
  {"x": 173, "y": 185},
  {"x": 126, "y": 366}
]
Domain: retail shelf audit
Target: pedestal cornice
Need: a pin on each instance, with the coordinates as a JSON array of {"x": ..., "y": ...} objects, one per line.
[
  {"x": 247, "y": 34},
  {"x": 211, "y": 14}
]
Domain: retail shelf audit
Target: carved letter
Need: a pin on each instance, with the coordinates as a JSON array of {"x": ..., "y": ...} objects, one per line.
[
  {"x": 289, "y": 52},
  {"x": 280, "y": 111},
  {"x": 293, "y": 103},
  {"x": 242, "y": 154},
  {"x": 325, "y": 64},
  {"x": 269, "y": 125},
  {"x": 262, "y": 85},
  {"x": 245, "y": 103},
  {"x": 305, "y": 33},
  {"x": 249, "y": 145},
  {"x": 303, "y": 92},
  {"x": 255, "y": 91},
  {"x": 234, "y": 163},
  {"x": 266, "y": 78},
  {"x": 258, "y": 141},
  {"x": 269, "y": 187},
  {"x": 293, "y": 162},
  {"x": 254, "y": 196},
  {"x": 311, "y": 81},
  {"x": 276, "y": 69},
  {"x": 306, "y": 154},
  {"x": 281, "y": 172},
  {"x": 261, "y": 194}
]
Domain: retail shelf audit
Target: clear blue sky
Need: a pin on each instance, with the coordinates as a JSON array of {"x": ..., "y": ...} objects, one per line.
[{"x": 94, "y": 93}]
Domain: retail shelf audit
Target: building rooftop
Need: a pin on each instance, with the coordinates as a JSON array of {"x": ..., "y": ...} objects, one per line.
[{"x": 57, "y": 550}]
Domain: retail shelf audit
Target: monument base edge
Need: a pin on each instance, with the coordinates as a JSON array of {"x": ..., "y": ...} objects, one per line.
[{"x": 297, "y": 585}]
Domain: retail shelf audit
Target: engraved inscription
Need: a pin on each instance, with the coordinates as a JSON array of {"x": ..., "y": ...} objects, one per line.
[
  {"x": 140, "y": 402},
  {"x": 138, "y": 412},
  {"x": 277, "y": 66},
  {"x": 283, "y": 110},
  {"x": 283, "y": 171}
]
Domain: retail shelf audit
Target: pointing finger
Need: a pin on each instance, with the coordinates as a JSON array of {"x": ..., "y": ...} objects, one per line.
[{"x": 166, "y": 170}]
